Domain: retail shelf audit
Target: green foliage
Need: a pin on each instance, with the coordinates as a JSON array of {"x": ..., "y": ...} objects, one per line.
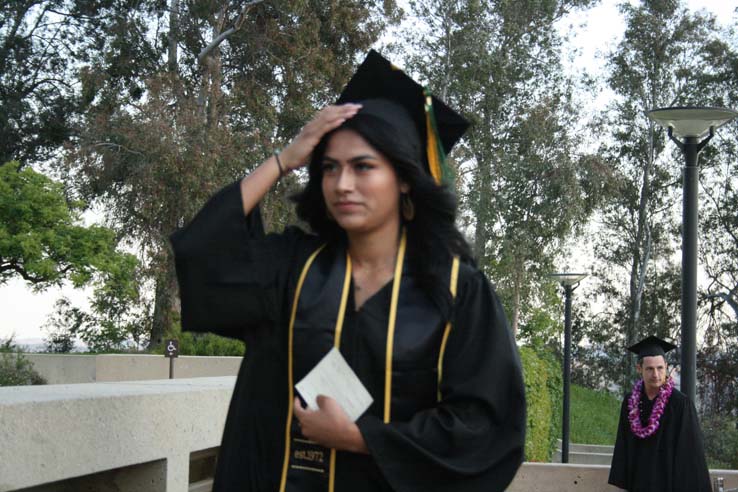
[
  {"x": 162, "y": 133},
  {"x": 543, "y": 325},
  {"x": 603, "y": 359},
  {"x": 524, "y": 187},
  {"x": 37, "y": 101},
  {"x": 118, "y": 319},
  {"x": 59, "y": 341},
  {"x": 40, "y": 239},
  {"x": 542, "y": 375},
  {"x": 668, "y": 56},
  {"x": 717, "y": 373},
  {"x": 721, "y": 441},
  {"x": 204, "y": 344},
  {"x": 594, "y": 416},
  {"x": 15, "y": 369}
]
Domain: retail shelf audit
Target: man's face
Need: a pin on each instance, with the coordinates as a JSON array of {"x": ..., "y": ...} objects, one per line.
[{"x": 653, "y": 371}]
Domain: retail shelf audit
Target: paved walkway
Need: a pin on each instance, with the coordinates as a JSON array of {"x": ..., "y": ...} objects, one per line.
[{"x": 585, "y": 454}]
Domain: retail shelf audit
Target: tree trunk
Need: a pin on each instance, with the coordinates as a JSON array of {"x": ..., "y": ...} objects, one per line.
[
  {"x": 173, "y": 36},
  {"x": 482, "y": 202},
  {"x": 165, "y": 302},
  {"x": 641, "y": 257},
  {"x": 515, "y": 315},
  {"x": 215, "y": 67}
]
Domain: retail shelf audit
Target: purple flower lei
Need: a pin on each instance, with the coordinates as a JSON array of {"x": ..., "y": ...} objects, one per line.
[{"x": 634, "y": 414}]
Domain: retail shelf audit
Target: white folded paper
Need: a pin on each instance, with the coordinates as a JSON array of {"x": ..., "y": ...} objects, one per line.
[{"x": 333, "y": 377}]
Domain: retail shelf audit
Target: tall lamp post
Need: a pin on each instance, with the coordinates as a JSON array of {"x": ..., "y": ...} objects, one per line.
[
  {"x": 692, "y": 124},
  {"x": 569, "y": 281}
]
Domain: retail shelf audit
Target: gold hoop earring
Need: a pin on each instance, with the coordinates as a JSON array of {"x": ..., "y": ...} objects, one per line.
[{"x": 408, "y": 207}]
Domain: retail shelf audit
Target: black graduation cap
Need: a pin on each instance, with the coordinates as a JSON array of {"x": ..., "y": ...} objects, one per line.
[
  {"x": 651, "y": 346},
  {"x": 387, "y": 92}
]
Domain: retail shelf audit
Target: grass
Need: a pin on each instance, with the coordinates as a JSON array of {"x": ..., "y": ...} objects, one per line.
[{"x": 594, "y": 416}]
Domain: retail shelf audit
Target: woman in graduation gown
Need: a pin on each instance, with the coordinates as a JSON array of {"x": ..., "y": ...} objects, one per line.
[{"x": 385, "y": 277}]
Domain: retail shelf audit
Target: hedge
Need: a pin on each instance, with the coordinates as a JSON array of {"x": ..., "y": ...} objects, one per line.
[
  {"x": 204, "y": 344},
  {"x": 543, "y": 392}
]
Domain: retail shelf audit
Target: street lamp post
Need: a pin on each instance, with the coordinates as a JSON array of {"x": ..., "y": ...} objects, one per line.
[
  {"x": 691, "y": 123},
  {"x": 569, "y": 281}
]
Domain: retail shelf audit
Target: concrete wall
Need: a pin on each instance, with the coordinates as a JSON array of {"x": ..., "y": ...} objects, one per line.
[
  {"x": 71, "y": 368},
  {"x": 141, "y": 437},
  {"x": 58, "y": 432},
  {"x": 557, "y": 477}
]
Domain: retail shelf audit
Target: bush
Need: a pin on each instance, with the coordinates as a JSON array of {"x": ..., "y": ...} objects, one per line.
[
  {"x": 721, "y": 441},
  {"x": 204, "y": 344},
  {"x": 555, "y": 385},
  {"x": 15, "y": 369},
  {"x": 542, "y": 376}
]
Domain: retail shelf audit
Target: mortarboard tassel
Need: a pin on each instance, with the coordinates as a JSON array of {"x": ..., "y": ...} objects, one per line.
[{"x": 436, "y": 156}]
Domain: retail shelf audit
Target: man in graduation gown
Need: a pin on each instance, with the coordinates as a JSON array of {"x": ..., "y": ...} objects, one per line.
[{"x": 659, "y": 443}]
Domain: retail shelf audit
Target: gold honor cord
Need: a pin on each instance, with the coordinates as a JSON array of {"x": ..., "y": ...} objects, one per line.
[
  {"x": 452, "y": 287},
  {"x": 391, "y": 327},
  {"x": 290, "y": 334},
  {"x": 337, "y": 344}
]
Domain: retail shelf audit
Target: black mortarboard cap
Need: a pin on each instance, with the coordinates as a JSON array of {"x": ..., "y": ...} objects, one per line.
[
  {"x": 377, "y": 82},
  {"x": 651, "y": 346}
]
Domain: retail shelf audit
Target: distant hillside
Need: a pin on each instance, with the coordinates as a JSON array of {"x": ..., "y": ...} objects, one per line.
[
  {"x": 38, "y": 345},
  {"x": 30, "y": 344}
]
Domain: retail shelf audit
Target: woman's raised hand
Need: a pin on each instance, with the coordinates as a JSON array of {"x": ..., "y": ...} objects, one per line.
[{"x": 297, "y": 153}]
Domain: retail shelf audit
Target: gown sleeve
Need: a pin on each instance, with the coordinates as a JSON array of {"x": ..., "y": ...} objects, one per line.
[
  {"x": 619, "y": 463},
  {"x": 231, "y": 275},
  {"x": 473, "y": 440}
]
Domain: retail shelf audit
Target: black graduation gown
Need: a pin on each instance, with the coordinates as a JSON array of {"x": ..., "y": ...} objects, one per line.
[
  {"x": 237, "y": 282},
  {"x": 670, "y": 460}
]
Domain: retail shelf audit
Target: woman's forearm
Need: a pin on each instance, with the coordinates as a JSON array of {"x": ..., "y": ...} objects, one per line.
[
  {"x": 295, "y": 155},
  {"x": 258, "y": 183}
]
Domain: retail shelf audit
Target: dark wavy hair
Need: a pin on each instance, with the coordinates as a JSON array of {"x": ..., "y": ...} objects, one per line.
[{"x": 432, "y": 235}]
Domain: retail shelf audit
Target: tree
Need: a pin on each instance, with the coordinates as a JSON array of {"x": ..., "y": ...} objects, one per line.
[
  {"x": 237, "y": 82},
  {"x": 658, "y": 63},
  {"x": 118, "y": 318},
  {"x": 719, "y": 204},
  {"x": 523, "y": 186},
  {"x": 41, "y": 240},
  {"x": 716, "y": 359},
  {"x": 41, "y": 44}
]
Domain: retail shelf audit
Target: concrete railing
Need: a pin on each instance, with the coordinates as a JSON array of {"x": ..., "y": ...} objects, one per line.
[
  {"x": 128, "y": 436},
  {"x": 161, "y": 436},
  {"x": 557, "y": 477},
  {"x": 71, "y": 368}
]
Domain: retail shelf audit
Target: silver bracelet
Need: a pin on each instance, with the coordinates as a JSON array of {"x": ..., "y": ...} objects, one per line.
[{"x": 282, "y": 172}]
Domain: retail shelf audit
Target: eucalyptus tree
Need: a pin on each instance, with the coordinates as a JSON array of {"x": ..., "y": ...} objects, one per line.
[
  {"x": 187, "y": 96},
  {"x": 37, "y": 98},
  {"x": 523, "y": 184},
  {"x": 719, "y": 187},
  {"x": 659, "y": 62},
  {"x": 718, "y": 297}
]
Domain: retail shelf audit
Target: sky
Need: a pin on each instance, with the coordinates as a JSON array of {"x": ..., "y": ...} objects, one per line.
[{"x": 595, "y": 31}]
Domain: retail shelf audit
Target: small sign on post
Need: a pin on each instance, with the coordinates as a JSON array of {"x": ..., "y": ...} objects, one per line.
[{"x": 171, "y": 351}]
